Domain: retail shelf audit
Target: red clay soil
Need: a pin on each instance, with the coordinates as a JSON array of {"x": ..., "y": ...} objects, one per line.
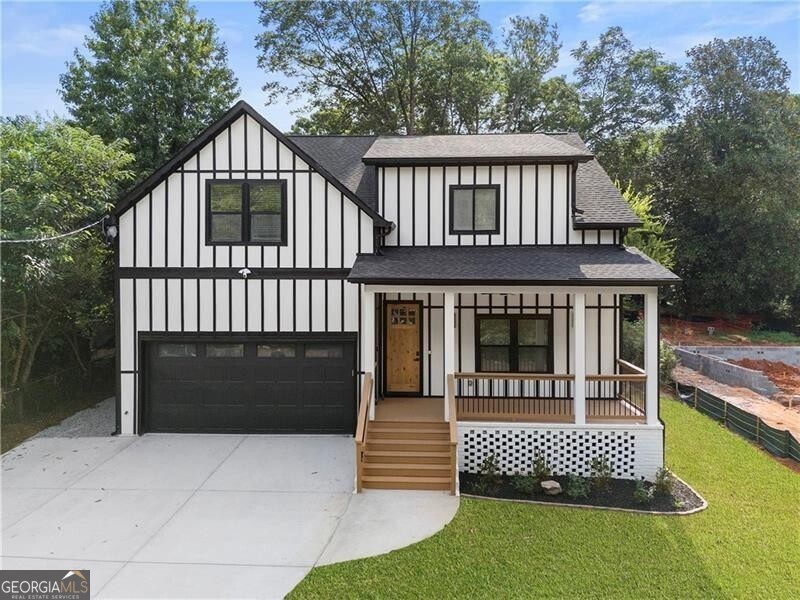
[
  {"x": 692, "y": 333},
  {"x": 784, "y": 376},
  {"x": 773, "y": 413}
]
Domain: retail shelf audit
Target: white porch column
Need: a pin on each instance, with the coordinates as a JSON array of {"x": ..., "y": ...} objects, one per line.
[
  {"x": 580, "y": 358},
  {"x": 449, "y": 346},
  {"x": 368, "y": 340},
  {"x": 651, "y": 354}
]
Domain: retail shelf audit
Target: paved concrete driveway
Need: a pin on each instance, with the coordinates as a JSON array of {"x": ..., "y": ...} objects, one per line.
[{"x": 178, "y": 516}]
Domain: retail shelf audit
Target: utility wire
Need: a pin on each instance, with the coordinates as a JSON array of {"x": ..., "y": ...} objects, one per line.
[{"x": 54, "y": 237}]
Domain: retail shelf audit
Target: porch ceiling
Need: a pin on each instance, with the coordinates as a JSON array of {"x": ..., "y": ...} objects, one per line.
[{"x": 510, "y": 265}]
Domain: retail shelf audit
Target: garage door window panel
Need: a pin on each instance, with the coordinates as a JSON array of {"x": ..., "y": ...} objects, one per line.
[
  {"x": 177, "y": 350},
  {"x": 224, "y": 350},
  {"x": 276, "y": 351}
]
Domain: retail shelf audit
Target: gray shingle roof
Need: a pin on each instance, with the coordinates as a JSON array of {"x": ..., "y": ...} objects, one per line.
[
  {"x": 597, "y": 196},
  {"x": 341, "y": 155},
  {"x": 427, "y": 148},
  {"x": 484, "y": 265}
]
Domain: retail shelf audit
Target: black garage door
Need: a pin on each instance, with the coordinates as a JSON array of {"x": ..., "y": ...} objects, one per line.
[{"x": 265, "y": 386}]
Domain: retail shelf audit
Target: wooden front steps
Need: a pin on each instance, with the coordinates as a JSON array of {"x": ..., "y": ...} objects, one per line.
[{"x": 407, "y": 456}]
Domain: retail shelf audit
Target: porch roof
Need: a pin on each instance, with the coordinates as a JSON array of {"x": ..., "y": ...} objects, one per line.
[{"x": 510, "y": 265}]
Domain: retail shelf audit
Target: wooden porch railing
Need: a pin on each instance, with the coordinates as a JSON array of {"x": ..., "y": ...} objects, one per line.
[
  {"x": 549, "y": 397},
  {"x": 619, "y": 395},
  {"x": 514, "y": 396},
  {"x": 361, "y": 427},
  {"x": 453, "y": 415}
]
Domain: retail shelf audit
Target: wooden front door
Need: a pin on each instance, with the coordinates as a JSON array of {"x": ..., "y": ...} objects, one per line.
[{"x": 403, "y": 347}]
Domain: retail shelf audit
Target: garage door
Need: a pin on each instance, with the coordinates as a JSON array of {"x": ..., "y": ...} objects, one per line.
[{"x": 265, "y": 386}]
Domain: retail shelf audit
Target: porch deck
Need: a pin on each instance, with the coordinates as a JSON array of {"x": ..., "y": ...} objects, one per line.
[{"x": 511, "y": 410}]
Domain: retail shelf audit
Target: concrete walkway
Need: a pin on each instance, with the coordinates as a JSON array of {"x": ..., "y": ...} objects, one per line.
[{"x": 191, "y": 516}]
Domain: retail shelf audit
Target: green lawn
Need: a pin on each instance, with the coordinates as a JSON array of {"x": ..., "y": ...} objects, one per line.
[{"x": 745, "y": 545}]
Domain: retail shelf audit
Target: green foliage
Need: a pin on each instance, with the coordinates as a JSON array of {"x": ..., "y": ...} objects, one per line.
[
  {"x": 601, "y": 470},
  {"x": 577, "y": 487},
  {"x": 643, "y": 493},
  {"x": 56, "y": 178},
  {"x": 489, "y": 472},
  {"x": 633, "y": 349},
  {"x": 649, "y": 237},
  {"x": 622, "y": 90},
  {"x": 152, "y": 73},
  {"x": 540, "y": 469},
  {"x": 727, "y": 181},
  {"x": 380, "y": 67},
  {"x": 664, "y": 482},
  {"x": 526, "y": 484}
]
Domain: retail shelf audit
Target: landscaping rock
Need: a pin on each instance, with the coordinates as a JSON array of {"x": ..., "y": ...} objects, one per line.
[{"x": 551, "y": 488}]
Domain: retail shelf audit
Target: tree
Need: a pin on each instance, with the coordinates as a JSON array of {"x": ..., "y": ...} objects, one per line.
[
  {"x": 56, "y": 178},
  {"x": 622, "y": 90},
  {"x": 649, "y": 237},
  {"x": 529, "y": 102},
  {"x": 152, "y": 73},
  {"x": 377, "y": 67},
  {"x": 728, "y": 177}
]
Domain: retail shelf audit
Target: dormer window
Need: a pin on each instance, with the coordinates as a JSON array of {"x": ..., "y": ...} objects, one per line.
[
  {"x": 246, "y": 212},
  {"x": 474, "y": 209}
]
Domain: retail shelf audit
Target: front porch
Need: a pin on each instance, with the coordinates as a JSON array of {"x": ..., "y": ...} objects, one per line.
[{"x": 586, "y": 401}]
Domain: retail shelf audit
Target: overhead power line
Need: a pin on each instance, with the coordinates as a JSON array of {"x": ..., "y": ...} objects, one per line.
[{"x": 53, "y": 237}]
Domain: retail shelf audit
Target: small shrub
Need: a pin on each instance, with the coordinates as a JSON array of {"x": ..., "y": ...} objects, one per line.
[
  {"x": 526, "y": 484},
  {"x": 577, "y": 486},
  {"x": 664, "y": 483},
  {"x": 667, "y": 361},
  {"x": 489, "y": 472},
  {"x": 642, "y": 493},
  {"x": 540, "y": 469},
  {"x": 601, "y": 470}
]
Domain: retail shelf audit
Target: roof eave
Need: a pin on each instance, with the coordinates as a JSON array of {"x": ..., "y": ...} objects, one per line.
[
  {"x": 476, "y": 160},
  {"x": 514, "y": 282}
]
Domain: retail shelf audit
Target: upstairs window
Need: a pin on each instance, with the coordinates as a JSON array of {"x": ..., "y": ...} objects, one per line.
[
  {"x": 246, "y": 212},
  {"x": 474, "y": 209}
]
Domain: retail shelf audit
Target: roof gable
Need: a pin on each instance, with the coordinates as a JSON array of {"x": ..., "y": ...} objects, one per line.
[{"x": 193, "y": 147}]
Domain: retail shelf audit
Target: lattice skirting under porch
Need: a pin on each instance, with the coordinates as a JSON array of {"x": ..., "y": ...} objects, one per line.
[{"x": 634, "y": 451}]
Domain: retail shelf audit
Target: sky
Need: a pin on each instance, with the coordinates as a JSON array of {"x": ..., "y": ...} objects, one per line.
[{"x": 38, "y": 38}]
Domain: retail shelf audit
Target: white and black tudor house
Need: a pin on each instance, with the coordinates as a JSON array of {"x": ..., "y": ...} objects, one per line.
[{"x": 441, "y": 298}]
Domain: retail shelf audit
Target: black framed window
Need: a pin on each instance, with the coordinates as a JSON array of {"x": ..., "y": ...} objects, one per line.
[
  {"x": 514, "y": 344},
  {"x": 474, "y": 208},
  {"x": 241, "y": 211}
]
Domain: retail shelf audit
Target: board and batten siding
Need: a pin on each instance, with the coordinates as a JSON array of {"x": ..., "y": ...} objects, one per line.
[
  {"x": 535, "y": 205},
  {"x": 602, "y": 330},
  {"x": 162, "y": 251}
]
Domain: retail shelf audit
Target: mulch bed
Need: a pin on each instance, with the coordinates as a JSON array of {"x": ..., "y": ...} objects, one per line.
[{"x": 619, "y": 494}]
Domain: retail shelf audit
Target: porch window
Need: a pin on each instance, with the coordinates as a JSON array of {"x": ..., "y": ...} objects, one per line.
[
  {"x": 474, "y": 209},
  {"x": 242, "y": 212},
  {"x": 514, "y": 344}
]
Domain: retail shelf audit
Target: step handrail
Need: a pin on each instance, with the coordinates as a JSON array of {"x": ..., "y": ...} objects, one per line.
[
  {"x": 451, "y": 407},
  {"x": 361, "y": 427}
]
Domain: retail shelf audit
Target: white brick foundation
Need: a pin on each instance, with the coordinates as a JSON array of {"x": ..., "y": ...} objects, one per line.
[{"x": 634, "y": 450}]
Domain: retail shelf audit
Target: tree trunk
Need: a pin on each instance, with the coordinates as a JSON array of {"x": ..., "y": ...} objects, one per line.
[
  {"x": 23, "y": 342},
  {"x": 73, "y": 343},
  {"x": 26, "y": 373}
]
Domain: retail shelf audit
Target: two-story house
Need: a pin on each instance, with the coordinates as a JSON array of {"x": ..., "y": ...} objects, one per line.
[{"x": 441, "y": 298}]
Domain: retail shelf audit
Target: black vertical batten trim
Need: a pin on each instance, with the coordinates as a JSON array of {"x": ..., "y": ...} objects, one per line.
[
  {"x": 552, "y": 310},
  {"x": 230, "y": 176},
  {"x": 566, "y": 209},
  {"x": 397, "y": 214},
  {"x": 445, "y": 216},
  {"x": 497, "y": 201},
  {"x": 458, "y": 237},
  {"x": 150, "y": 229}
]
